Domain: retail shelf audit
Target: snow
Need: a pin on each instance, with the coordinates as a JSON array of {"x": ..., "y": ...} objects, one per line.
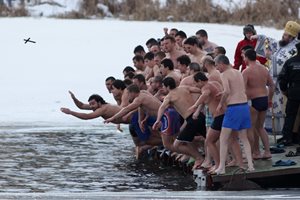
[
  {"x": 77, "y": 55},
  {"x": 58, "y": 7},
  {"x": 231, "y": 4}
]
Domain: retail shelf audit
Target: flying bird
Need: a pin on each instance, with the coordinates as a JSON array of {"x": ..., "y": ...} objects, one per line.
[{"x": 28, "y": 40}]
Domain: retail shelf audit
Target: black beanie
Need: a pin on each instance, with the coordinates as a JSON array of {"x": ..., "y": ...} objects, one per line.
[{"x": 249, "y": 28}]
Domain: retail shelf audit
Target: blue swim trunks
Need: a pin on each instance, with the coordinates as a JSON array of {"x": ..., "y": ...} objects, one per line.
[
  {"x": 170, "y": 122},
  {"x": 143, "y": 136},
  {"x": 237, "y": 117}
]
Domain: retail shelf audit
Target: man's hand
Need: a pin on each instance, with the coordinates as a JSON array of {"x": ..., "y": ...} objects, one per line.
[
  {"x": 270, "y": 104},
  {"x": 142, "y": 125},
  {"x": 193, "y": 108},
  {"x": 156, "y": 125},
  {"x": 219, "y": 108},
  {"x": 65, "y": 110},
  {"x": 166, "y": 31},
  {"x": 108, "y": 120},
  {"x": 253, "y": 37},
  {"x": 72, "y": 95},
  {"x": 196, "y": 114},
  {"x": 119, "y": 128}
]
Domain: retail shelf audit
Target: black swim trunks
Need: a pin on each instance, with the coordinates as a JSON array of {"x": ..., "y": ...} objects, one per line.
[
  {"x": 193, "y": 128},
  {"x": 217, "y": 123},
  {"x": 260, "y": 103}
]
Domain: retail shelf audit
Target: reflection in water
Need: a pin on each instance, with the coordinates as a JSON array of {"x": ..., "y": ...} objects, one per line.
[{"x": 77, "y": 159}]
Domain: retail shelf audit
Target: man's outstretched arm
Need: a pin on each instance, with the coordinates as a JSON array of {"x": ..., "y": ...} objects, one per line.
[{"x": 78, "y": 103}]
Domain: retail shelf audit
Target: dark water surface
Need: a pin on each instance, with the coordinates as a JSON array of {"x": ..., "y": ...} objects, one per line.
[
  {"x": 78, "y": 158},
  {"x": 92, "y": 161}
]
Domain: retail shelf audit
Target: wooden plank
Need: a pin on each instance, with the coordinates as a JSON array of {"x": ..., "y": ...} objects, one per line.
[{"x": 263, "y": 168}]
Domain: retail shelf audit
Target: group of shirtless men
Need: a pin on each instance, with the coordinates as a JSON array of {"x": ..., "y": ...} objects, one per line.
[{"x": 176, "y": 86}]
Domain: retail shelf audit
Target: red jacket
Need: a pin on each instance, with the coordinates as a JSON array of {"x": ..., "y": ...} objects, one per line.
[{"x": 238, "y": 60}]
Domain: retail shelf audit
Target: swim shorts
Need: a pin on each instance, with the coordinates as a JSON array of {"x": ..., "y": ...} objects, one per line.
[
  {"x": 260, "y": 103},
  {"x": 170, "y": 122},
  {"x": 143, "y": 136},
  {"x": 193, "y": 128},
  {"x": 237, "y": 117},
  {"x": 217, "y": 123}
]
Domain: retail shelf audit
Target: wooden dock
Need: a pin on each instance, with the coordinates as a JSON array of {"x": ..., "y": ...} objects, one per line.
[{"x": 265, "y": 175}]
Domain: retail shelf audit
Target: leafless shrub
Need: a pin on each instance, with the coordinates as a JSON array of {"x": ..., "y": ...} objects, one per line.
[{"x": 263, "y": 12}]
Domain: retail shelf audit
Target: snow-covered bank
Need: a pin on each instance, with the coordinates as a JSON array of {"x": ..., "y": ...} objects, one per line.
[{"x": 77, "y": 55}]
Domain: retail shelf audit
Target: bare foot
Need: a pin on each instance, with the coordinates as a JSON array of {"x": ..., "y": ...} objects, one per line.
[
  {"x": 250, "y": 169},
  {"x": 212, "y": 170},
  {"x": 232, "y": 163},
  {"x": 184, "y": 158},
  {"x": 206, "y": 164},
  {"x": 267, "y": 156},
  {"x": 178, "y": 157},
  {"x": 174, "y": 154},
  {"x": 197, "y": 164},
  {"x": 219, "y": 171},
  {"x": 256, "y": 156}
]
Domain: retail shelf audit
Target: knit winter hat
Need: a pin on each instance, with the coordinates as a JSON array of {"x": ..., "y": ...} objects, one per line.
[
  {"x": 249, "y": 28},
  {"x": 292, "y": 28}
]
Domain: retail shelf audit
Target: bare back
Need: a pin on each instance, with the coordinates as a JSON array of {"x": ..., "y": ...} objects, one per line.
[
  {"x": 109, "y": 110},
  {"x": 256, "y": 79},
  {"x": 198, "y": 56},
  {"x": 125, "y": 98},
  {"x": 150, "y": 104},
  {"x": 215, "y": 75},
  {"x": 174, "y": 55},
  {"x": 182, "y": 100},
  {"x": 212, "y": 101},
  {"x": 175, "y": 76},
  {"x": 189, "y": 81},
  {"x": 233, "y": 83}
]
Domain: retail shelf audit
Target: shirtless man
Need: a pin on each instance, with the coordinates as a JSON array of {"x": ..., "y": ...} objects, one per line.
[
  {"x": 256, "y": 78},
  {"x": 219, "y": 50},
  {"x": 158, "y": 57},
  {"x": 180, "y": 98},
  {"x": 108, "y": 82},
  {"x": 167, "y": 70},
  {"x": 191, "y": 46},
  {"x": 237, "y": 115},
  {"x": 189, "y": 80},
  {"x": 210, "y": 67},
  {"x": 209, "y": 91},
  {"x": 203, "y": 40},
  {"x": 179, "y": 38},
  {"x": 183, "y": 64},
  {"x": 100, "y": 109},
  {"x": 155, "y": 48},
  {"x": 149, "y": 104},
  {"x": 151, "y": 69},
  {"x": 170, "y": 48},
  {"x": 193, "y": 68},
  {"x": 118, "y": 91},
  {"x": 138, "y": 62},
  {"x": 140, "y": 81},
  {"x": 155, "y": 85}
]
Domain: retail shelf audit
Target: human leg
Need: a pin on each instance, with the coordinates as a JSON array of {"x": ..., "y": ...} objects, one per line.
[
  {"x": 189, "y": 149},
  {"x": 213, "y": 151},
  {"x": 247, "y": 148},
  {"x": 263, "y": 134},
  {"x": 224, "y": 138}
]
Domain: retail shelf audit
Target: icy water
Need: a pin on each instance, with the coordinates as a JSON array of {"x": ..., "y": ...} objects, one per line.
[
  {"x": 77, "y": 159},
  {"x": 92, "y": 161}
]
